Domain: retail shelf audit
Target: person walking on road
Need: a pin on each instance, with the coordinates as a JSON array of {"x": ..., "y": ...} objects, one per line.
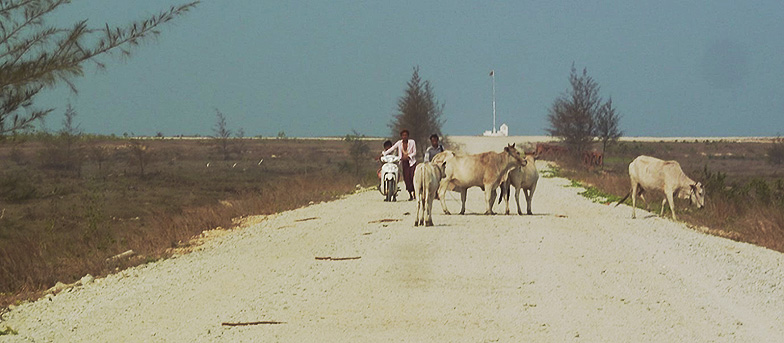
[{"x": 406, "y": 150}]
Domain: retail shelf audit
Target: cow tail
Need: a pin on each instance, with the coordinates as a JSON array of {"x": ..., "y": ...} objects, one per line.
[
  {"x": 505, "y": 188},
  {"x": 624, "y": 198}
]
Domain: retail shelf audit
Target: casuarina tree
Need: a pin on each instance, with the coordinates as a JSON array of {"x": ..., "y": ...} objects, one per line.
[
  {"x": 578, "y": 116},
  {"x": 572, "y": 114},
  {"x": 418, "y": 111},
  {"x": 34, "y": 55}
]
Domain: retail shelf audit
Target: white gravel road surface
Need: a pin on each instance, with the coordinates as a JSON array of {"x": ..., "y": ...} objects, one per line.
[{"x": 574, "y": 271}]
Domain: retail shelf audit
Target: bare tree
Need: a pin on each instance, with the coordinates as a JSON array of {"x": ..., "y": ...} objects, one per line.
[
  {"x": 418, "y": 111},
  {"x": 240, "y": 142},
  {"x": 64, "y": 150},
  {"x": 572, "y": 115},
  {"x": 222, "y": 134},
  {"x": 140, "y": 155},
  {"x": 100, "y": 154},
  {"x": 34, "y": 56},
  {"x": 358, "y": 150},
  {"x": 607, "y": 122}
]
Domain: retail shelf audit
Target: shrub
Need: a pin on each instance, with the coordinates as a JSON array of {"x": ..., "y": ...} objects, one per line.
[
  {"x": 761, "y": 190},
  {"x": 776, "y": 151},
  {"x": 358, "y": 150},
  {"x": 17, "y": 187},
  {"x": 714, "y": 183}
]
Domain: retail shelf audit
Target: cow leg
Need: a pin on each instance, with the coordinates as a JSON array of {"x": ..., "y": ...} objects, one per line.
[
  {"x": 664, "y": 201},
  {"x": 420, "y": 211},
  {"x": 641, "y": 192},
  {"x": 418, "y": 191},
  {"x": 530, "y": 199},
  {"x": 442, "y": 188},
  {"x": 463, "y": 195},
  {"x": 419, "y": 205},
  {"x": 634, "y": 199},
  {"x": 672, "y": 204},
  {"x": 489, "y": 198},
  {"x": 429, "y": 211},
  {"x": 416, "y": 218},
  {"x": 505, "y": 190}
]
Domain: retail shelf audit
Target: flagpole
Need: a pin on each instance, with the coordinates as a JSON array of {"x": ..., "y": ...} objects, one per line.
[{"x": 492, "y": 74}]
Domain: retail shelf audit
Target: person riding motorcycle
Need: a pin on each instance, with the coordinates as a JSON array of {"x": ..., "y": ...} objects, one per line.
[
  {"x": 387, "y": 145},
  {"x": 406, "y": 149}
]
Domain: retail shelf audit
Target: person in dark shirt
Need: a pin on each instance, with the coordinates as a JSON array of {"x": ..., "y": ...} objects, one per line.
[{"x": 434, "y": 148}]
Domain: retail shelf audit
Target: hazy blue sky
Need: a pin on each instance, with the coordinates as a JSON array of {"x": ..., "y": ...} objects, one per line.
[{"x": 320, "y": 68}]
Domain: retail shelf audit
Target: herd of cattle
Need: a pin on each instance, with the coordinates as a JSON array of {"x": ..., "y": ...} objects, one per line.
[{"x": 449, "y": 171}]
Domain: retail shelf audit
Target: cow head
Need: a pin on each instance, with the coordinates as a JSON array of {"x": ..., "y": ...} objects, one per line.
[
  {"x": 510, "y": 149},
  {"x": 440, "y": 160},
  {"x": 531, "y": 157},
  {"x": 697, "y": 195}
]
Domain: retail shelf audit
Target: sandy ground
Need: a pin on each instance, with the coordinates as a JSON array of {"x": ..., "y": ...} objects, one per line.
[{"x": 573, "y": 271}]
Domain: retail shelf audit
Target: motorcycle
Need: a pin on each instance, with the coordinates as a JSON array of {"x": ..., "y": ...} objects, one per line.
[{"x": 388, "y": 177}]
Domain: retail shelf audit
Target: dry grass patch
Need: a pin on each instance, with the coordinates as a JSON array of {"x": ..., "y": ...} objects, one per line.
[{"x": 58, "y": 224}]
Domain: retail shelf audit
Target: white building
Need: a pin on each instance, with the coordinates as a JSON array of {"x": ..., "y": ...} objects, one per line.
[{"x": 503, "y": 131}]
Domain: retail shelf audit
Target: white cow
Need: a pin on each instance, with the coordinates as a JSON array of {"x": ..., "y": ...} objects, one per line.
[
  {"x": 426, "y": 179},
  {"x": 522, "y": 178},
  {"x": 650, "y": 173},
  {"x": 483, "y": 170}
]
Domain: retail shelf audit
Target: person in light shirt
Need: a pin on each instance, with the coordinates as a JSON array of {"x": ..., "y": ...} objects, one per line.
[{"x": 406, "y": 150}]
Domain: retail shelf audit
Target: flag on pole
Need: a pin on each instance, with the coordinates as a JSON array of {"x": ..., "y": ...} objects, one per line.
[{"x": 492, "y": 72}]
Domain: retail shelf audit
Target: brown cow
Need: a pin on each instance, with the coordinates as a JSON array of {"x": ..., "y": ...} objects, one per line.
[
  {"x": 550, "y": 151},
  {"x": 592, "y": 159},
  {"x": 483, "y": 170}
]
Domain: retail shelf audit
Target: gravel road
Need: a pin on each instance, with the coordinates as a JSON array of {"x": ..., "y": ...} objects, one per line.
[{"x": 574, "y": 271}]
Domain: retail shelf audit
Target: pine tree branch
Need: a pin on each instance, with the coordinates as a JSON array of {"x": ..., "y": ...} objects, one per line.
[
  {"x": 32, "y": 15},
  {"x": 23, "y": 76}
]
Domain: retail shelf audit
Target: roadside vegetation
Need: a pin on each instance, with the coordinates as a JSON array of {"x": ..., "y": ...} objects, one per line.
[
  {"x": 744, "y": 186},
  {"x": 69, "y": 201}
]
